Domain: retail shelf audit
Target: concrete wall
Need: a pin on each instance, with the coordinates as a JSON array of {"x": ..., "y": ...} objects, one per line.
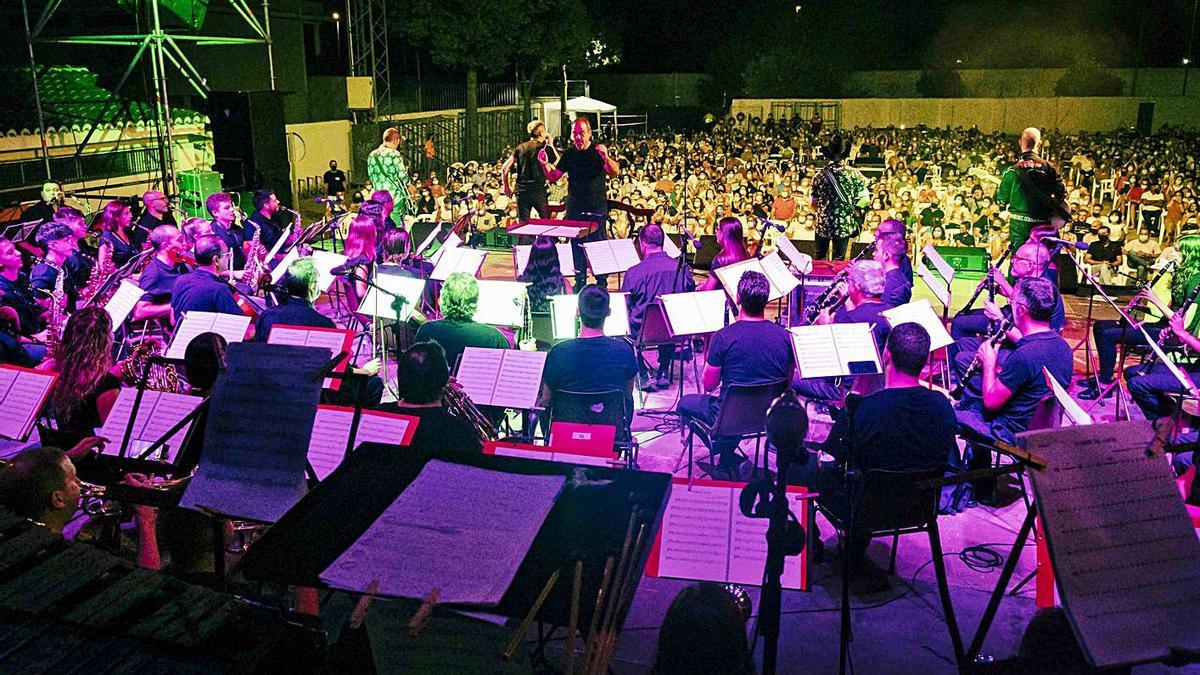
[
  {"x": 312, "y": 145},
  {"x": 1009, "y": 115},
  {"x": 1021, "y": 82}
]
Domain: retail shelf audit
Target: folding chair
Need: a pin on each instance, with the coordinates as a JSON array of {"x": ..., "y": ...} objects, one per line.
[{"x": 742, "y": 415}]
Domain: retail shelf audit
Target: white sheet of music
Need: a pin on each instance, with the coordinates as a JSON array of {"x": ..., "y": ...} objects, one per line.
[
  {"x": 524, "y": 453},
  {"x": 802, "y": 262},
  {"x": 939, "y": 288},
  {"x": 427, "y": 242},
  {"x": 22, "y": 393},
  {"x": 520, "y": 379},
  {"x": 122, "y": 303},
  {"x": 283, "y": 237},
  {"x": 856, "y": 345},
  {"x": 748, "y": 546},
  {"x": 379, "y": 304},
  {"x": 325, "y": 261},
  {"x": 330, "y": 434},
  {"x": 695, "y": 533},
  {"x": 777, "y": 272},
  {"x": 283, "y": 264},
  {"x": 478, "y": 371},
  {"x": 611, "y": 256},
  {"x": 466, "y": 260},
  {"x": 816, "y": 353},
  {"x": 232, "y": 327},
  {"x": 731, "y": 276},
  {"x": 945, "y": 269},
  {"x": 921, "y": 312},
  {"x": 452, "y": 242},
  {"x": 695, "y": 313},
  {"x": 157, "y": 413},
  {"x": 1071, "y": 409},
  {"x": 418, "y": 543},
  {"x": 501, "y": 303},
  {"x": 671, "y": 248},
  {"x": 566, "y": 258},
  {"x": 565, "y": 308},
  {"x": 1125, "y": 553},
  {"x": 377, "y": 427}
]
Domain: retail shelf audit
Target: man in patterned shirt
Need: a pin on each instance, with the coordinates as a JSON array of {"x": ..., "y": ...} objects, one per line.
[
  {"x": 385, "y": 169},
  {"x": 838, "y": 193}
]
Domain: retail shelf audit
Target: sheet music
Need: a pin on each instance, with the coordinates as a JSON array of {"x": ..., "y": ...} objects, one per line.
[
  {"x": 921, "y": 312},
  {"x": 379, "y": 304},
  {"x": 452, "y": 242},
  {"x": 466, "y": 260},
  {"x": 428, "y": 241},
  {"x": 330, "y": 435},
  {"x": 325, "y": 262},
  {"x": 939, "y": 288},
  {"x": 855, "y": 343},
  {"x": 283, "y": 237},
  {"x": 781, "y": 278},
  {"x": 566, "y": 258},
  {"x": 282, "y": 266},
  {"x": 157, "y": 413},
  {"x": 611, "y": 256},
  {"x": 379, "y": 427},
  {"x": 671, "y": 248},
  {"x": 477, "y": 373},
  {"x": 22, "y": 393},
  {"x": 772, "y": 267},
  {"x": 802, "y": 262},
  {"x": 334, "y": 340},
  {"x": 535, "y": 230},
  {"x": 1071, "y": 409},
  {"x": 1125, "y": 554},
  {"x": 501, "y": 303},
  {"x": 695, "y": 533},
  {"x": 695, "y": 313},
  {"x": 520, "y": 379},
  {"x": 122, "y": 303},
  {"x": 564, "y": 310},
  {"x": 945, "y": 269},
  {"x": 443, "y": 531},
  {"x": 232, "y": 327},
  {"x": 816, "y": 354},
  {"x": 549, "y": 454},
  {"x": 748, "y": 546}
]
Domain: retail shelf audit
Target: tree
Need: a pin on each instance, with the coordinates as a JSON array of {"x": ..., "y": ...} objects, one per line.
[
  {"x": 941, "y": 84},
  {"x": 786, "y": 72},
  {"x": 464, "y": 35}
]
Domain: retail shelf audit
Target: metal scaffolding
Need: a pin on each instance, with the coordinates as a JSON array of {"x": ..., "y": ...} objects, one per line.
[
  {"x": 162, "y": 48},
  {"x": 367, "y": 26}
]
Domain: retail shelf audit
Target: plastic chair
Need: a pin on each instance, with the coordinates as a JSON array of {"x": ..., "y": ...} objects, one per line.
[{"x": 742, "y": 415}]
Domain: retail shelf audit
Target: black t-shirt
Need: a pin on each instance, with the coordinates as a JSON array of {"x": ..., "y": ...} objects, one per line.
[
  {"x": 13, "y": 352},
  {"x": 530, "y": 176},
  {"x": 39, "y": 211},
  {"x": 905, "y": 429},
  {"x": 83, "y": 419},
  {"x": 233, "y": 239},
  {"x": 585, "y": 180},
  {"x": 146, "y": 224},
  {"x": 897, "y": 288},
  {"x": 751, "y": 352},
  {"x": 293, "y": 312},
  {"x": 438, "y": 432},
  {"x": 270, "y": 230},
  {"x": 1022, "y": 375},
  {"x": 591, "y": 364},
  {"x": 455, "y": 336},
  {"x": 335, "y": 181},
  {"x": 656, "y": 275},
  {"x": 19, "y": 295},
  {"x": 158, "y": 280},
  {"x": 122, "y": 250},
  {"x": 1104, "y": 251}
]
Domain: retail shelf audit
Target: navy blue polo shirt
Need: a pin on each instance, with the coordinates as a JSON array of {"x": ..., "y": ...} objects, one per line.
[{"x": 202, "y": 291}]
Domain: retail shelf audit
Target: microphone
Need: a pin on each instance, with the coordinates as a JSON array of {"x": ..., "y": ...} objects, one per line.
[
  {"x": 1082, "y": 246},
  {"x": 787, "y": 427},
  {"x": 772, "y": 224},
  {"x": 332, "y": 199},
  {"x": 347, "y": 269}
]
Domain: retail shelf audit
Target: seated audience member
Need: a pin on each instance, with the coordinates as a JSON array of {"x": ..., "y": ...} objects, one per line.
[
  {"x": 592, "y": 362},
  {"x": 749, "y": 351},
  {"x": 300, "y": 283},
  {"x": 158, "y": 278},
  {"x": 704, "y": 631},
  {"x": 999, "y": 403},
  {"x": 1104, "y": 256},
  {"x": 422, "y": 375},
  {"x": 457, "y": 329},
  {"x": 204, "y": 289},
  {"x": 656, "y": 275}
]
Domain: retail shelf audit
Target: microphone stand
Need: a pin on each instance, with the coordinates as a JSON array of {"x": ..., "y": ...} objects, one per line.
[
  {"x": 377, "y": 323},
  {"x": 850, "y": 480}
]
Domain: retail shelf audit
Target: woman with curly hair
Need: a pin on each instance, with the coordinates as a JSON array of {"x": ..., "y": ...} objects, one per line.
[
  {"x": 543, "y": 274},
  {"x": 86, "y": 370}
]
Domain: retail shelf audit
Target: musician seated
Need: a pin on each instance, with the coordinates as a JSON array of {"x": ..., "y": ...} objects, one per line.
[
  {"x": 59, "y": 243},
  {"x": 656, "y": 275},
  {"x": 864, "y": 304},
  {"x": 266, "y": 206},
  {"x": 751, "y": 350},
  {"x": 224, "y": 226},
  {"x": 968, "y": 329},
  {"x": 1110, "y": 333},
  {"x": 1151, "y": 385},
  {"x": 422, "y": 376},
  {"x": 79, "y": 264},
  {"x": 592, "y": 362},
  {"x": 999, "y": 403},
  {"x": 897, "y": 229},
  {"x": 86, "y": 371},
  {"x": 115, "y": 238},
  {"x": 13, "y": 349},
  {"x": 156, "y": 211},
  {"x": 157, "y": 280},
  {"x": 41, "y": 484},
  {"x": 203, "y": 289},
  {"x": 17, "y": 298},
  {"x": 300, "y": 284},
  {"x": 457, "y": 330},
  {"x": 891, "y": 252}
]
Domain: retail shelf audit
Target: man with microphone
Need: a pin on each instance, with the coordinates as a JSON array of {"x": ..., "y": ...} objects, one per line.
[{"x": 586, "y": 165}]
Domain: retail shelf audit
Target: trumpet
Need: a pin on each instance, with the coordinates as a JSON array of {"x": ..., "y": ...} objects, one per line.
[
  {"x": 994, "y": 338},
  {"x": 460, "y": 405}
]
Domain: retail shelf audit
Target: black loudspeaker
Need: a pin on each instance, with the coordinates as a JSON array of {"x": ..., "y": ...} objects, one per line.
[
  {"x": 965, "y": 258},
  {"x": 250, "y": 142},
  {"x": 1145, "y": 120},
  {"x": 709, "y": 248}
]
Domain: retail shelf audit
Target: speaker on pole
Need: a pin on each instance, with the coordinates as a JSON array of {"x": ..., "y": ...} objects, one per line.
[{"x": 250, "y": 142}]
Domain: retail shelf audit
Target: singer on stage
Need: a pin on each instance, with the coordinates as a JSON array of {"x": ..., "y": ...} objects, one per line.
[
  {"x": 531, "y": 180},
  {"x": 586, "y": 166}
]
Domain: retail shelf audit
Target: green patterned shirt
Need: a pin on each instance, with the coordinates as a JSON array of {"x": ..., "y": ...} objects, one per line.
[{"x": 385, "y": 169}]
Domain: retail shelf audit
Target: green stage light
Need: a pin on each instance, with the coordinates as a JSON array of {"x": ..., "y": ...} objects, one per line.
[{"x": 191, "y": 12}]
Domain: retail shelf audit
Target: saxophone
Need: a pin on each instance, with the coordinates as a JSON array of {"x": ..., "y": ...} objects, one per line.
[
  {"x": 56, "y": 319},
  {"x": 101, "y": 271},
  {"x": 159, "y": 378},
  {"x": 459, "y": 405},
  {"x": 253, "y": 273}
]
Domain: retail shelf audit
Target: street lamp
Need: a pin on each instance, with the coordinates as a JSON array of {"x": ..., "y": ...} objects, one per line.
[{"x": 337, "y": 22}]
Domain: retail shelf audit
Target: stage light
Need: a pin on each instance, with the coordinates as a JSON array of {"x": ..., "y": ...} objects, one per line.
[{"x": 192, "y": 12}]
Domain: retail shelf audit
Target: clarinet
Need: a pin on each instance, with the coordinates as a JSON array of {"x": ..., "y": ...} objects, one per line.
[
  {"x": 994, "y": 339},
  {"x": 1165, "y": 333},
  {"x": 826, "y": 299},
  {"x": 990, "y": 283}
]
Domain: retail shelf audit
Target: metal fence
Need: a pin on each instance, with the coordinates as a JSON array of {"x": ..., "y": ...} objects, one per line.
[
  {"x": 29, "y": 173},
  {"x": 498, "y": 130},
  {"x": 409, "y": 96}
]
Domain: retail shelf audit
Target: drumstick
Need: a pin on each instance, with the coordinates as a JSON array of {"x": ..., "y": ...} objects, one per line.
[
  {"x": 573, "y": 624},
  {"x": 608, "y": 640},
  {"x": 597, "y": 609},
  {"x": 515, "y": 641}
]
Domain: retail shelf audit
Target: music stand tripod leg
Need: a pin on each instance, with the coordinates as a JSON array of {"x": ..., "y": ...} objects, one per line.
[{"x": 1010, "y": 565}]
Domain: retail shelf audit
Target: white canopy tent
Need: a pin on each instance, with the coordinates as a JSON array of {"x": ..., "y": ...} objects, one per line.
[{"x": 580, "y": 104}]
